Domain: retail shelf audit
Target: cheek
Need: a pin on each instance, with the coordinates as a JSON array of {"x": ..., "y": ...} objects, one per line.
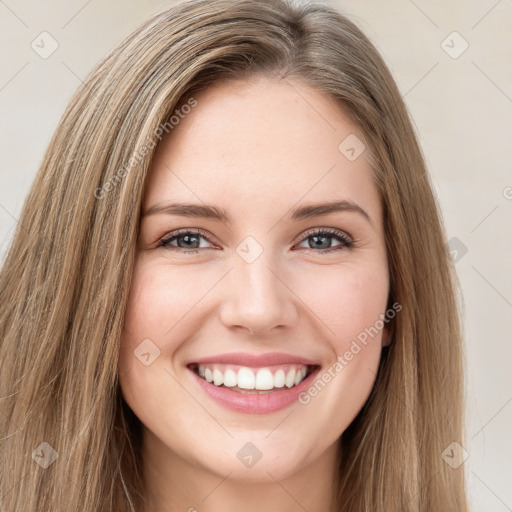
[
  {"x": 164, "y": 308},
  {"x": 152, "y": 308},
  {"x": 351, "y": 304},
  {"x": 154, "y": 297},
  {"x": 348, "y": 301},
  {"x": 161, "y": 303}
]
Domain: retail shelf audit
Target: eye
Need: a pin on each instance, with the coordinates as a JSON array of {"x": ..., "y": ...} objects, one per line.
[
  {"x": 187, "y": 241},
  {"x": 190, "y": 241},
  {"x": 320, "y": 239}
]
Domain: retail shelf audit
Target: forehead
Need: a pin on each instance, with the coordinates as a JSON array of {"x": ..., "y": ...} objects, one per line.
[{"x": 260, "y": 144}]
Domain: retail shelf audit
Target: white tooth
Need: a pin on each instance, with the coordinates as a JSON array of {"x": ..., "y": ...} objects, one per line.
[
  {"x": 208, "y": 375},
  {"x": 218, "y": 377},
  {"x": 298, "y": 377},
  {"x": 304, "y": 371},
  {"x": 279, "y": 378},
  {"x": 230, "y": 378},
  {"x": 200, "y": 370},
  {"x": 264, "y": 379},
  {"x": 290, "y": 378},
  {"x": 246, "y": 379}
]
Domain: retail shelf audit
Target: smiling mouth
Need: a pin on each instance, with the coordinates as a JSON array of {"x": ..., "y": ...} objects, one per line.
[{"x": 250, "y": 380}]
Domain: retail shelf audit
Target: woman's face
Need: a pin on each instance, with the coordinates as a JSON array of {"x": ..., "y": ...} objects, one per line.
[{"x": 273, "y": 290}]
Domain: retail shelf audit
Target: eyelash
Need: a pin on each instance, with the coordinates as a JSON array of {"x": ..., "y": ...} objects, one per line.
[{"x": 345, "y": 241}]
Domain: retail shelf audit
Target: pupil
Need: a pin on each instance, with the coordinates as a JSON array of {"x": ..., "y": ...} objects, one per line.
[
  {"x": 319, "y": 245},
  {"x": 189, "y": 239}
]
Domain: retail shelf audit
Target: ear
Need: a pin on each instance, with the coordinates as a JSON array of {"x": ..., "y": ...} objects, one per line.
[{"x": 386, "y": 336}]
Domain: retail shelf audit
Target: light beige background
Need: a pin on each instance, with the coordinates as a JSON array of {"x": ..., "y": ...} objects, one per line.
[{"x": 462, "y": 108}]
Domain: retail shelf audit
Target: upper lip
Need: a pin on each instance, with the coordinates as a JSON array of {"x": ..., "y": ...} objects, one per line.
[{"x": 243, "y": 359}]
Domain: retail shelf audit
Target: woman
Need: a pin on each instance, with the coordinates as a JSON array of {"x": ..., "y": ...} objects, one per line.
[{"x": 228, "y": 288}]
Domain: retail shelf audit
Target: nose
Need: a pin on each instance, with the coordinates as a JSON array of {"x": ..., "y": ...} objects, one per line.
[{"x": 259, "y": 298}]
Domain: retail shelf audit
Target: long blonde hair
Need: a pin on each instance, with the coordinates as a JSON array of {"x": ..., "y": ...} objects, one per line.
[{"x": 68, "y": 441}]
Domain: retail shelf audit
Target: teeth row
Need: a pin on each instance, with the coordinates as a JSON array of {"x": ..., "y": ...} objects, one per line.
[{"x": 246, "y": 379}]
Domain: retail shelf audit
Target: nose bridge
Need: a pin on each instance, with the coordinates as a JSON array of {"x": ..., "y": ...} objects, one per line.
[{"x": 257, "y": 300}]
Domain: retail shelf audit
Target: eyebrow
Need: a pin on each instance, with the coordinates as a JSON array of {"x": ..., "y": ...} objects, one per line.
[{"x": 219, "y": 214}]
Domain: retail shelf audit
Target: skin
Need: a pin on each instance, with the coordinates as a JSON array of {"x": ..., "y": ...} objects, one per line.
[{"x": 256, "y": 149}]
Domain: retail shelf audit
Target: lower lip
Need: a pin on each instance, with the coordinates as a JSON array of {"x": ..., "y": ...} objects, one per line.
[{"x": 254, "y": 403}]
